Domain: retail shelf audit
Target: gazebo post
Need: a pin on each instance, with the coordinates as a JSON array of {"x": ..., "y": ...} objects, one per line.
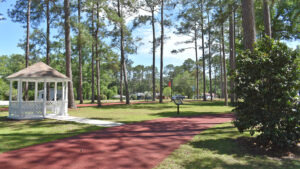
[
  {"x": 36, "y": 91},
  {"x": 10, "y": 91},
  {"x": 55, "y": 91},
  {"x": 63, "y": 91},
  {"x": 67, "y": 92},
  {"x": 44, "y": 99},
  {"x": 55, "y": 97},
  {"x": 20, "y": 96},
  {"x": 10, "y": 94},
  {"x": 66, "y": 100},
  {"x": 20, "y": 91}
]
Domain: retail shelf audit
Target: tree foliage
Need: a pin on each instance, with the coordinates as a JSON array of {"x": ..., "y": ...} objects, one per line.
[{"x": 267, "y": 82}]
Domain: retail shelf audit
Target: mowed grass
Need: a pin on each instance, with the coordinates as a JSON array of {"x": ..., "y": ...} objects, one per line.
[
  {"x": 15, "y": 134},
  {"x": 149, "y": 111},
  {"x": 218, "y": 147}
]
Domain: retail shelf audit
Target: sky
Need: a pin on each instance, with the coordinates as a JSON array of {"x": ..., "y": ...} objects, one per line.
[{"x": 11, "y": 33}]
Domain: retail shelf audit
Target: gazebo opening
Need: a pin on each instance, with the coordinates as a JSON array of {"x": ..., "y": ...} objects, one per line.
[{"x": 38, "y": 77}]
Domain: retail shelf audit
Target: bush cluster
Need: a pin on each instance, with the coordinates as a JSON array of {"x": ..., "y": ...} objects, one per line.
[{"x": 267, "y": 83}]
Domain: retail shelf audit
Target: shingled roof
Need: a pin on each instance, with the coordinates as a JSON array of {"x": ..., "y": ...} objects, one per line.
[{"x": 38, "y": 71}]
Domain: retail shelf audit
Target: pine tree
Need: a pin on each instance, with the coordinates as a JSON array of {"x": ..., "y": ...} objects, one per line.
[
  {"x": 267, "y": 19},
  {"x": 71, "y": 102},
  {"x": 248, "y": 18},
  {"x": 79, "y": 52},
  {"x": 161, "y": 52}
]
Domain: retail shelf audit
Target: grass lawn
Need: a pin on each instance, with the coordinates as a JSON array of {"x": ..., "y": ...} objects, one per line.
[
  {"x": 17, "y": 134},
  {"x": 218, "y": 147},
  {"x": 149, "y": 111}
]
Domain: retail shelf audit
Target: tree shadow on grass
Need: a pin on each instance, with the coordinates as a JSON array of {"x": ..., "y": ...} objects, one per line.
[
  {"x": 148, "y": 106},
  {"x": 229, "y": 145},
  {"x": 37, "y": 131},
  {"x": 205, "y": 103},
  {"x": 252, "y": 163},
  {"x": 189, "y": 114},
  {"x": 157, "y": 106}
]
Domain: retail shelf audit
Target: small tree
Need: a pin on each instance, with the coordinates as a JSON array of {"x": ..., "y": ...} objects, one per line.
[
  {"x": 267, "y": 83},
  {"x": 167, "y": 91}
]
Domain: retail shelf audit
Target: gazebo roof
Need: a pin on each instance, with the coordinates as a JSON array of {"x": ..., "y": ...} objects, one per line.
[{"x": 38, "y": 71}]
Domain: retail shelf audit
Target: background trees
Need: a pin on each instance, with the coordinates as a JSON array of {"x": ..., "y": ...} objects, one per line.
[{"x": 107, "y": 40}]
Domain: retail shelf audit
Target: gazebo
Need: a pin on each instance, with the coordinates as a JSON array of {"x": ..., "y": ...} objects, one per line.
[{"x": 38, "y": 108}]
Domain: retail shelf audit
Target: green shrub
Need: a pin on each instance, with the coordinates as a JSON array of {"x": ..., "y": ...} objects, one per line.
[
  {"x": 4, "y": 90},
  {"x": 110, "y": 93},
  {"x": 267, "y": 82},
  {"x": 133, "y": 97},
  {"x": 167, "y": 91},
  {"x": 103, "y": 97}
]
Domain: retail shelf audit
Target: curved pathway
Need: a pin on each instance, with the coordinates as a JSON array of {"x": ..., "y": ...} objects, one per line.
[
  {"x": 138, "y": 145},
  {"x": 102, "y": 123}
]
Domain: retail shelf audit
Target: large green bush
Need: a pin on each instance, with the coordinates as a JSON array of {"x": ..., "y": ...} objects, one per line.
[{"x": 267, "y": 82}]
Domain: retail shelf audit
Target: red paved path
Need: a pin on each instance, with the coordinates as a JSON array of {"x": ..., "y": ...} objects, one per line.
[
  {"x": 139, "y": 145},
  {"x": 4, "y": 109}
]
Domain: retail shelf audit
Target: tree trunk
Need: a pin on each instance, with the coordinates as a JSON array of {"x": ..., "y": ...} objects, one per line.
[
  {"x": 27, "y": 47},
  {"x": 48, "y": 43},
  {"x": 221, "y": 67},
  {"x": 209, "y": 59},
  {"x": 153, "y": 63},
  {"x": 248, "y": 20},
  {"x": 267, "y": 19},
  {"x": 234, "y": 47},
  {"x": 98, "y": 79},
  {"x": 224, "y": 67},
  {"x": 161, "y": 53},
  {"x": 79, "y": 54},
  {"x": 71, "y": 103},
  {"x": 215, "y": 90},
  {"x": 203, "y": 54},
  {"x": 121, "y": 81},
  {"x": 197, "y": 67},
  {"x": 98, "y": 60},
  {"x": 123, "y": 62},
  {"x": 93, "y": 57},
  {"x": 126, "y": 82},
  {"x": 232, "y": 51},
  {"x": 27, "y": 34}
]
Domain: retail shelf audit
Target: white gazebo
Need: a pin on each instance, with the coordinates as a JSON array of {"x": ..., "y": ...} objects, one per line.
[{"x": 38, "y": 108}]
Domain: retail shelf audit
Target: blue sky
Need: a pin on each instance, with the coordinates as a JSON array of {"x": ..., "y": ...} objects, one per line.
[{"x": 11, "y": 33}]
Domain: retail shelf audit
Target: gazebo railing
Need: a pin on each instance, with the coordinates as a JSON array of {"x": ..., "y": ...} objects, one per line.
[
  {"x": 34, "y": 109},
  {"x": 56, "y": 107},
  {"x": 26, "y": 110}
]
